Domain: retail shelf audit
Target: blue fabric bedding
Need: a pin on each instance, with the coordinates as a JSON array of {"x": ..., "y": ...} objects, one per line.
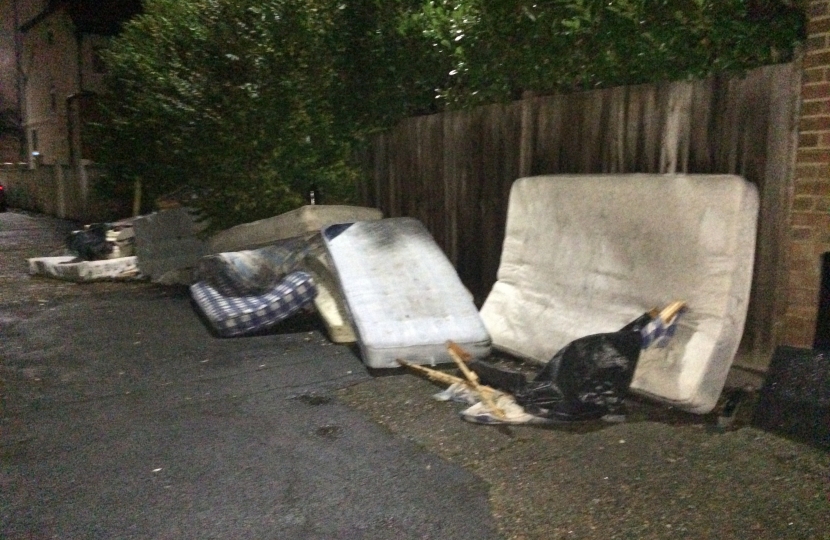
[{"x": 232, "y": 311}]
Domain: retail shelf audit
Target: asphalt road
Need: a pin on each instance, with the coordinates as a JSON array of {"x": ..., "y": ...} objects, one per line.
[{"x": 124, "y": 418}]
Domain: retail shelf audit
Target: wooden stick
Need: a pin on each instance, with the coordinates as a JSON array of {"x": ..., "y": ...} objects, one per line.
[
  {"x": 433, "y": 374},
  {"x": 446, "y": 378},
  {"x": 454, "y": 348},
  {"x": 472, "y": 376},
  {"x": 671, "y": 310}
]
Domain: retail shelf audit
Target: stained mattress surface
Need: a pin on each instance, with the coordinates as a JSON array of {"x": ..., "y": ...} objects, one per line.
[
  {"x": 256, "y": 272},
  {"x": 588, "y": 253},
  {"x": 403, "y": 295}
]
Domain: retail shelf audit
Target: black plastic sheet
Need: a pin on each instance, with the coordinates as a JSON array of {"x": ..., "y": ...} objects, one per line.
[{"x": 586, "y": 380}]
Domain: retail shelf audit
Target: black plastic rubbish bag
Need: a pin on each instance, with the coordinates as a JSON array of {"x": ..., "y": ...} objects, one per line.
[
  {"x": 586, "y": 380},
  {"x": 90, "y": 243}
]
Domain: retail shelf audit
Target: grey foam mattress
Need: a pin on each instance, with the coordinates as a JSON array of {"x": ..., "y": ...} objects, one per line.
[{"x": 403, "y": 294}]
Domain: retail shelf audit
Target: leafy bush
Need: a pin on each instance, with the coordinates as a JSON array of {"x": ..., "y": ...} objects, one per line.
[
  {"x": 231, "y": 97},
  {"x": 501, "y": 48},
  {"x": 250, "y": 102}
]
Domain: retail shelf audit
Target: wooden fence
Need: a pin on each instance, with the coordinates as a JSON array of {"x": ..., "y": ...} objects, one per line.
[{"x": 453, "y": 171}]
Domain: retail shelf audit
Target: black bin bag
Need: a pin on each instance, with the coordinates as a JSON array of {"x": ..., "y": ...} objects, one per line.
[
  {"x": 587, "y": 379},
  {"x": 90, "y": 244}
]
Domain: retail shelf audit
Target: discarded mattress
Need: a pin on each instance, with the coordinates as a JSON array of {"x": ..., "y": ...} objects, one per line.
[
  {"x": 305, "y": 220},
  {"x": 167, "y": 245},
  {"x": 587, "y": 254},
  {"x": 236, "y": 315},
  {"x": 403, "y": 295},
  {"x": 73, "y": 269},
  {"x": 252, "y": 272},
  {"x": 257, "y": 271}
]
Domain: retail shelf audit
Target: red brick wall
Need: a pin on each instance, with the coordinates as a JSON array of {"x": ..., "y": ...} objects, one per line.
[{"x": 810, "y": 218}]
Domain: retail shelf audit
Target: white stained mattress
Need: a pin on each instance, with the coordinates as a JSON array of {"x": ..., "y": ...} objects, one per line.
[
  {"x": 587, "y": 254},
  {"x": 403, "y": 295},
  {"x": 72, "y": 269}
]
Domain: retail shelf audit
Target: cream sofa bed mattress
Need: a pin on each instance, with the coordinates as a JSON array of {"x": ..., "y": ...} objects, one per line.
[{"x": 588, "y": 253}]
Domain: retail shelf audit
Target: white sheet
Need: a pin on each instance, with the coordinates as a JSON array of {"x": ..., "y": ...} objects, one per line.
[{"x": 588, "y": 253}]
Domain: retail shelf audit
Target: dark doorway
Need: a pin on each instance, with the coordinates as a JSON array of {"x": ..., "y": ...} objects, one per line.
[{"x": 822, "y": 339}]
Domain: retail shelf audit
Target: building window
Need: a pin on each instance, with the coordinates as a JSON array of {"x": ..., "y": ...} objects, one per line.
[
  {"x": 34, "y": 140},
  {"x": 53, "y": 98}
]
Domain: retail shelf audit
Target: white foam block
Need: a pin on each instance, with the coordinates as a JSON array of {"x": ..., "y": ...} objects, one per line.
[
  {"x": 588, "y": 253},
  {"x": 403, "y": 295},
  {"x": 329, "y": 301}
]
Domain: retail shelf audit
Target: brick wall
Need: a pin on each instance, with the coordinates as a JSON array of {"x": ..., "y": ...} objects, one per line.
[{"x": 810, "y": 218}]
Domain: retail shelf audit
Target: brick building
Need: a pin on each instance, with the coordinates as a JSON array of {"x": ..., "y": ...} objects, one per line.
[
  {"x": 61, "y": 69},
  {"x": 810, "y": 214}
]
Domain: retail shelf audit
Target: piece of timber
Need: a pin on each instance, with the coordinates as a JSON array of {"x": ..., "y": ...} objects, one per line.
[{"x": 472, "y": 377}]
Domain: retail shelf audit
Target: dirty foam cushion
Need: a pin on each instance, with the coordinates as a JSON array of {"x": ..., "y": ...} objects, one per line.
[
  {"x": 241, "y": 314},
  {"x": 330, "y": 304},
  {"x": 587, "y": 254},
  {"x": 403, "y": 295}
]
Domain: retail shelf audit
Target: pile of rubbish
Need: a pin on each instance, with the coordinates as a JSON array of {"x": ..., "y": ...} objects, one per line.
[
  {"x": 100, "y": 241},
  {"x": 583, "y": 258},
  {"x": 99, "y": 251}
]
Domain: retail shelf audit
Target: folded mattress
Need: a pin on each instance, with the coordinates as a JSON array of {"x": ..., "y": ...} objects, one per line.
[
  {"x": 587, "y": 254},
  {"x": 404, "y": 297},
  {"x": 257, "y": 271},
  {"x": 236, "y": 314},
  {"x": 253, "y": 271}
]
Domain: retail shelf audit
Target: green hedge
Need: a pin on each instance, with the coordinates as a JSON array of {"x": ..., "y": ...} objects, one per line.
[{"x": 250, "y": 102}]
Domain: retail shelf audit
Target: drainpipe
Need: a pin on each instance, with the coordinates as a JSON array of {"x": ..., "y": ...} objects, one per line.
[
  {"x": 79, "y": 164},
  {"x": 80, "y": 58},
  {"x": 18, "y": 60}
]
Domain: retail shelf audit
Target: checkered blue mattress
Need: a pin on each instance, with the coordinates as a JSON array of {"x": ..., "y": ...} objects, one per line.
[{"x": 240, "y": 314}]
